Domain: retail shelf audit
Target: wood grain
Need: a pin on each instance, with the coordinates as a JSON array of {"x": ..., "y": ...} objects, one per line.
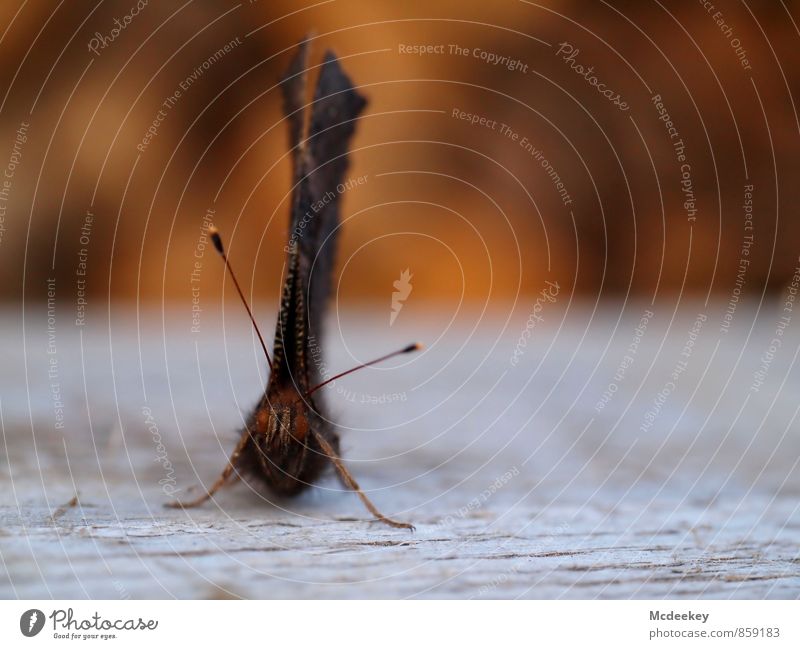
[{"x": 518, "y": 486}]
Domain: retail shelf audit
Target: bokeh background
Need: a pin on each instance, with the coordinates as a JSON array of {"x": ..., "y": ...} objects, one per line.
[{"x": 465, "y": 208}]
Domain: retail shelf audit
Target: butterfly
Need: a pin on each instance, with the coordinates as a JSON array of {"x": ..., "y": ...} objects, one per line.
[{"x": 287, "y": 442}]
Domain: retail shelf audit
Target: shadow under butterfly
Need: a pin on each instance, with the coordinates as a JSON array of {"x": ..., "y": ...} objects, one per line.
[{"x": 287, "y": 442}]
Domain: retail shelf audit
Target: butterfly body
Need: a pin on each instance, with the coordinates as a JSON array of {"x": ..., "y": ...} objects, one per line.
[
  {"x": 287, "y": 442},
  {"x": 282, "y": 451}
]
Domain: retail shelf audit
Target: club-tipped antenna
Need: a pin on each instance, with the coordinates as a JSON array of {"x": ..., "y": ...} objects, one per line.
[
  {"x": 413, "y": 347},
  {"x": 217, "y": 241}
]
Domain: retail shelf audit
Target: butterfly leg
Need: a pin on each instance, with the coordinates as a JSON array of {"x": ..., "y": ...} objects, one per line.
[
  {"x": 226, "y": 477},
  {"x": 350, "y": 481}
]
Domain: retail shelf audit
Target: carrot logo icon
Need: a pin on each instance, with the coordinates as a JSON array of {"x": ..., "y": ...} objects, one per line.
[
  {"x": 31, "y": 622},
  {"x": 400, "y": 295}
]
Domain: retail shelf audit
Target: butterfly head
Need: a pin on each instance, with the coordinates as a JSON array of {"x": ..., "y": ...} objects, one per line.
[{"x": 282, "y": 420}]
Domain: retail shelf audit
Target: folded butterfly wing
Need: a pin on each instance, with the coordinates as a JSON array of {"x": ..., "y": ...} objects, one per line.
[{"x": 320, "y": 159}]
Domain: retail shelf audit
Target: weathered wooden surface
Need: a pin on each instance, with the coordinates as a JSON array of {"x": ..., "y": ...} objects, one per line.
[{"x": 518, "y": 486}]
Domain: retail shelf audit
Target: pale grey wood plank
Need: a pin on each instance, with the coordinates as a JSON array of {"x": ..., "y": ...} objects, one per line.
[{"x": 704, "y": 504}]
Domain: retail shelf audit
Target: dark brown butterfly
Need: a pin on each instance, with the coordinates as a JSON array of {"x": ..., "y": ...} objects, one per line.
[{"x": 287, "y": 442}]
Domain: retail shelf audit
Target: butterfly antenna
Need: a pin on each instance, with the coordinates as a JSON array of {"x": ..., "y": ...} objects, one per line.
[
  {"x": 217, "y": 241},
  {"x": 410, "y": 348}
]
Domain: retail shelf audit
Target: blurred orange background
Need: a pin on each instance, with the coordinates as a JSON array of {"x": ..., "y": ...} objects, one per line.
[{"x": 465, "y": 207}]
